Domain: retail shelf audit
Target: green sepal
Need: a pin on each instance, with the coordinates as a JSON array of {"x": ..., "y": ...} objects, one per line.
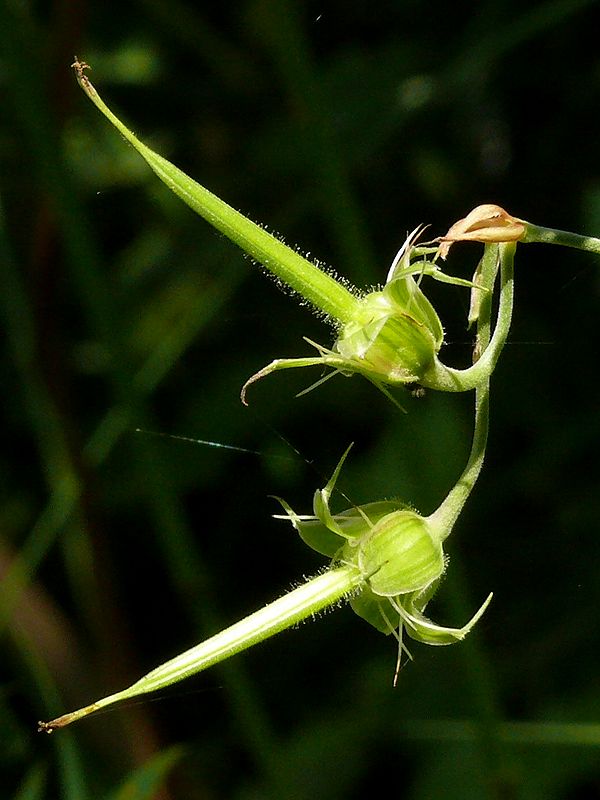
[
  {"x": 386, "y": 344},
  {"x": 313, "y": 532},
  {"x": 386, "y": 615},
  {"x": 431, "y": 270},
  {"x": 372, "y": 609},
  {"x": 422, "y": 629},
  {"x": 351, "y": 524},
  {"x": 326, "y": 532},
  {"x": 321, "y": 498},
  {"x": 355, "y": 522},
  {"x": 407, "y": 296}
]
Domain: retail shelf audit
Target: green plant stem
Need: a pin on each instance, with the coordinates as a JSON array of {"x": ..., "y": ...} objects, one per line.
[
  {"x": 448, "y": 379},
  {"x": 477, "y": 666},
  {"x": 445, "y": 516},
  {"x": 313, "y": 596},
  {"x": 318, "y": 287},
  {"x": 537, "y": 233}
]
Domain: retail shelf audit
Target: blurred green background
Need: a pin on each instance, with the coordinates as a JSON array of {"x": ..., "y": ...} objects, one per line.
[{"x": 341, "y": 126}]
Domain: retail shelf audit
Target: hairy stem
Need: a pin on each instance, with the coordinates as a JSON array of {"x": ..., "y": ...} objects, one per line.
[
  {"x": 537, "y": 233},
  {"x": 448, "y": 379},
  {"x": 445, "y": 516}
]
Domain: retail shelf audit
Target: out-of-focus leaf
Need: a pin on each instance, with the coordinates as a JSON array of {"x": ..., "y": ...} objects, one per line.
[{"x": 148, "y": 779}]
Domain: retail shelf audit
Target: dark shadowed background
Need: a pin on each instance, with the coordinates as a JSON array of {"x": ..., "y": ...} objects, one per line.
[{"x": 341, "y": 126}]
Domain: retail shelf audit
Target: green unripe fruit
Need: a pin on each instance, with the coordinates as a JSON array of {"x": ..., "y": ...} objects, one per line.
[
  {"x": 396, "y": 335},
  {"x": 400, "y": 555},
  {"x": 395, "y": 348}
]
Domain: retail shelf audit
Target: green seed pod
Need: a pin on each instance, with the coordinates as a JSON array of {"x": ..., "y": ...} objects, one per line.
[
  {"x": 396, "y": 336},
  {"x": 400, "y": 555},
  {"x": 396, "y": 554}
]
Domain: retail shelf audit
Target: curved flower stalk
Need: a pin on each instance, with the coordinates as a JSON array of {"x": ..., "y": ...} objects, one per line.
[
  {"x": 392, "y": 335},
  {"x": 495, "y": 256}
]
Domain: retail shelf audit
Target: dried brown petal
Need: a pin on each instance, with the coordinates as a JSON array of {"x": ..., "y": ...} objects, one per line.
[{"x": 485, "y": 223}]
